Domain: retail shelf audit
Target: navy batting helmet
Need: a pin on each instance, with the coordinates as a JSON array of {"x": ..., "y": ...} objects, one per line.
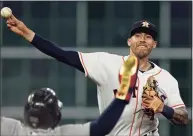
[{"x": 42, "y": 109}]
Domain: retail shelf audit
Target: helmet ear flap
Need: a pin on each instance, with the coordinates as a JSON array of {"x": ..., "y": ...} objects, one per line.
[{"x": 59, "y": 116}]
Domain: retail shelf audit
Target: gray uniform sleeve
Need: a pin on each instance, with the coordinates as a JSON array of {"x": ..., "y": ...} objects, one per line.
[
  {"x": 74, "y": 130},
  {"x": 9, "y": 126}
]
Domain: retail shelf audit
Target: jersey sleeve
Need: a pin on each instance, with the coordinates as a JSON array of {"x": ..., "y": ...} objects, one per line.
[
  {"x": 94, "y": 65},
  {"x": 9, "y": 126},
  {"x": 74, "y": 130},
  {"x": 174, "y": 97}
]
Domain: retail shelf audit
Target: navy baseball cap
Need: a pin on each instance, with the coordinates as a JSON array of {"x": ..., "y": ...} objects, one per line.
[{"x": 144, "y": 26}]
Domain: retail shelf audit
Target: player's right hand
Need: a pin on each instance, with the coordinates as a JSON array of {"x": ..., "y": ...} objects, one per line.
[
  {"x": 19, "y": 28},
  {"x": 16, "y": 25}
]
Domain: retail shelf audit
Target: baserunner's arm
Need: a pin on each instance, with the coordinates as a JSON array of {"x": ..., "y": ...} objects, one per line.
[
  {"x": 98, "y": 127},
  {"x": 108, "y": 119}
]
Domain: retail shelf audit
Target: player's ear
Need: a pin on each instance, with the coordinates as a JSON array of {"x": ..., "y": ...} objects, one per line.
[
  {"x": 129, "y": 41},
  {"x": 155, "y": 44}
]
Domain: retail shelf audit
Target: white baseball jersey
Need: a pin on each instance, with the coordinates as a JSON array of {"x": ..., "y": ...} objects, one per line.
[
  {"x": 103, "y": 68},
  {"x": 13, "y": 127}
]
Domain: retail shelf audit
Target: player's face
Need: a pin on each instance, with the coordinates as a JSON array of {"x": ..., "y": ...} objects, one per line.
[{"x": 141, "y": 44}]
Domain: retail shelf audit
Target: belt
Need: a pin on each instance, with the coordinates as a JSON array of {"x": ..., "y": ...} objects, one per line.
[{"x": 149, "y": 133}]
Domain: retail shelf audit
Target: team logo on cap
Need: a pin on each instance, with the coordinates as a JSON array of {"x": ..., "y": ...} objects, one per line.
[{"x": 145, "y": 24}]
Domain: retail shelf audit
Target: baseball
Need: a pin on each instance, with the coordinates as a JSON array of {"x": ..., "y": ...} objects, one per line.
[{"x": 6, "y": 12}]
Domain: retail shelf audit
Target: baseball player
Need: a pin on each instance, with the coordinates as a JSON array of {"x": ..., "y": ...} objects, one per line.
[
  {"x": 42, "y": 112},
  {"x": 103, "y": 68}
]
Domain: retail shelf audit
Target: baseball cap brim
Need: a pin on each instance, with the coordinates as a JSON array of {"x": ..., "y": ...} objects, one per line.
[{"x": 149, "y": 31}]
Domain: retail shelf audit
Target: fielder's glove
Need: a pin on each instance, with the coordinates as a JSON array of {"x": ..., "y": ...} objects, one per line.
[{"x": 151, "y": 101}]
